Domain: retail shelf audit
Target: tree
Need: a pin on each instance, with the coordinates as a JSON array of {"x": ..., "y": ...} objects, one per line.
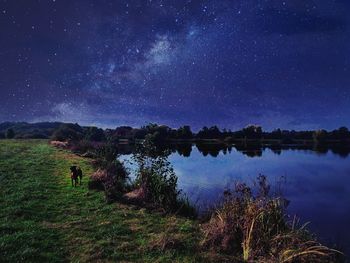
[
  {"x": 252, "y": 132},
  {"x": 94, "y": 134},
  {"x": 155, "y": 176},
  {"x": 209, "y": 133},
  {"x": 10, "y": 134},
  {"x": 341, "y": 134},
  {"x": 276, "y": 134},
  {"x": 71, "y": 132},
  {"x": 156, "y": 133},
  {"x": 203, "y": 132},
  {"x": 184, "y": 132},
  {"x": 140, "y": 133},
  {"x": 320, "y": 136}
]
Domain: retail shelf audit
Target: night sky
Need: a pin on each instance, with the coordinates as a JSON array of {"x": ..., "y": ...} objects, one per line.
[{"x": 231, "y": 63}]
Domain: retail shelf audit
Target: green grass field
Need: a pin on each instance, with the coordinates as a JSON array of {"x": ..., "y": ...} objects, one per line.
[{"x": 44, "y": 219}]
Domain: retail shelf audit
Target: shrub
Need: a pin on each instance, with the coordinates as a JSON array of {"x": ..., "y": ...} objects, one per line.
[
  {"x": 254, "y": 228},
  {"x": 111, "y": 175},
  {"x": 97, "y": 179},
  {"x": 157, "y": 181},
  {"x": 81, "y": 146},
  {"x": 155, "y": 176},
  {"x": 59, "y": 144},
  {"x": 115, "y": 181}
]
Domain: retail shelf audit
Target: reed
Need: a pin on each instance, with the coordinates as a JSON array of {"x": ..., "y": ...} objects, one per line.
[{"x": 254, "y": 227}]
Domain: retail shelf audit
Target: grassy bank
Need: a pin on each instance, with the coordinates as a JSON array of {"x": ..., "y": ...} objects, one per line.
[{"x": 42, "y": 218}]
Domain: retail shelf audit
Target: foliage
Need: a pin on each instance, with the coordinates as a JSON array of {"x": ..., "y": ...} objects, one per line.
[
  {"x": 122, "y": 132},
  {"x": 161, "y": 134},
  {"x": 342, "y": 133},
  {"x": 209, "y": 133},
  {"x": 43, "y": 219},
  {"x": 106, "y": 155},
  {"x": 111, "y": 173},
  {"x": 94, "y": 134},
  {"x": 85, "y": 147},
  {"x": 157, "y": 180},
  {"x": 70, "y": 132},
  {"x": 156, "y": 176},
  {"x": 252, "y": 225},
  {"x": 320, "y": 136},
  {"x": 184, "y": 132},
  {"x": 30, "y": 130},
  {"x": 252, "y": 132},
  {"x": 10, "y": 134}
]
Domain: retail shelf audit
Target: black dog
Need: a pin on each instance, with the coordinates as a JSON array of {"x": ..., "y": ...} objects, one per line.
[
  {"x": 74, "y": 175},
  {"x": 80, "y": 174}
]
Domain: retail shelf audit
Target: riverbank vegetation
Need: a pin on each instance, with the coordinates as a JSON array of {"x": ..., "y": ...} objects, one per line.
[
  {"x": 250, "y": 141},
  {"x": 45, "y": 219},
  {"x": 253, "y": 226},
  {"x": 155, "y": 184}
]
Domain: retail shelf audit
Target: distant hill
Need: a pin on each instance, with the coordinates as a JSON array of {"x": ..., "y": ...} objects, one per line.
[
  {"x": 24, "y": 130},
  {"x": 51, "y": 130}
]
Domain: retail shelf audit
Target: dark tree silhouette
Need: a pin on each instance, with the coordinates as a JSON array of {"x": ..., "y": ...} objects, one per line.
[{"x": 10, "y": 134}]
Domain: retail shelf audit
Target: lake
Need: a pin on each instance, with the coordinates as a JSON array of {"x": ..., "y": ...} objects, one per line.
[{"x": 317, "y": 183}]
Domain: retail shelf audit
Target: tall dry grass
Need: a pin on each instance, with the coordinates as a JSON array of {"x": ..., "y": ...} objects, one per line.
[{"x": 253, "y": 226}]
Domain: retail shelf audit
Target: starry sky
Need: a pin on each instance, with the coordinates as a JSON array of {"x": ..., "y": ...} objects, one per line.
[{"x": 230, "y": 63}]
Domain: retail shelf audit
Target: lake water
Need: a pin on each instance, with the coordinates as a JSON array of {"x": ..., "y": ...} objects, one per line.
[{"x": 316, "y": 184}]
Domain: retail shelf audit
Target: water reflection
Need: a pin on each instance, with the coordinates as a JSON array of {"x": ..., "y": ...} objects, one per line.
[
  {"x": 250, "y": 150},
  {"x": 317, "y": 180}
]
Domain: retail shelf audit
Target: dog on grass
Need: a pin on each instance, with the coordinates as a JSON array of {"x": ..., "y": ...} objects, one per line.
[{"x": 76, "y": 175}]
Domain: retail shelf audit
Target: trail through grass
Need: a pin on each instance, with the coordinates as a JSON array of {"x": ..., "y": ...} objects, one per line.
[{"x": 44, "y": 219}]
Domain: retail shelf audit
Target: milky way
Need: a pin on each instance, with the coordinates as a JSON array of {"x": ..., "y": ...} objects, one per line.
[{"x": 231, "y": 63}]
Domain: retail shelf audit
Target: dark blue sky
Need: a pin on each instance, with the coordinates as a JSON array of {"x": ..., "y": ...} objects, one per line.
[{"x": 231, "y": 63}]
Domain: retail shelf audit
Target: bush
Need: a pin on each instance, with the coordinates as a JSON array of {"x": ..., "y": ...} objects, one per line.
[
  {"x": 253, "y": 227},
  {"x": 115, "y": 183},
  {"x": 97, "y": 179},
  {"x": 155, "y": 176},
  {"x": 85, "y": 147},
  {"x": 106, "y": 155},
  {"x": 157, "y": 181},
  {"x": 111, "y": 175}
]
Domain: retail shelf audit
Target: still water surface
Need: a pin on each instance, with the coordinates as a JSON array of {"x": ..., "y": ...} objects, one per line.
[{"x": 316, "y": 184}]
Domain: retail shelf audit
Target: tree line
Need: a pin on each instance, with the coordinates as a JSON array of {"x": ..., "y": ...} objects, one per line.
[{"x": 162, "y": 133}]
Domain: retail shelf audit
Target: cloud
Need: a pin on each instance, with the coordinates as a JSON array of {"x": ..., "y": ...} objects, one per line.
[{"x": 160, "y": 52}]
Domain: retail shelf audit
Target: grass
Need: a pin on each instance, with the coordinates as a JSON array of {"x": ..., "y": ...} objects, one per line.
[
  {"x": 44, "y": 219},
  {"x": 252, "y": 225}
]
